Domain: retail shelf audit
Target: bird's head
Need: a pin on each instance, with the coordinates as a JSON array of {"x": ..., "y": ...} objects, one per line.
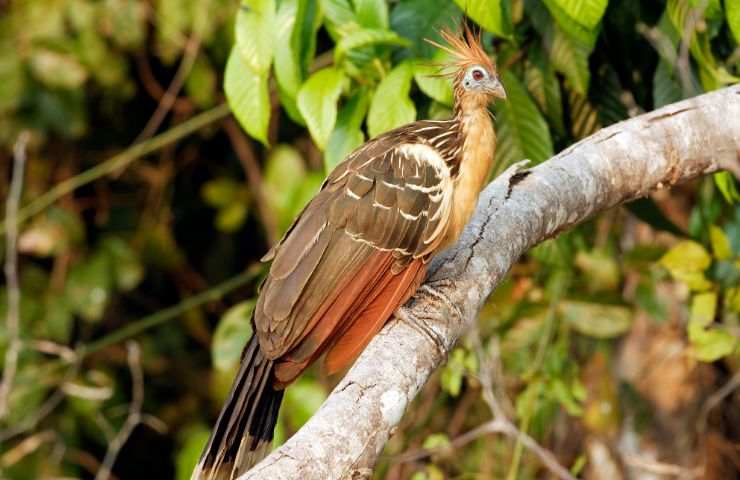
[{"x": 475, "y": 79}]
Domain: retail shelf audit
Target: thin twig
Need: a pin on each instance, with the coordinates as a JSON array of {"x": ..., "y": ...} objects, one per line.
[
  {"x": 11, "y": 272},
  {"x": 134, "y": 412},
  {"x": 245, "y": 152},
  {"x": 716, "y": 398},
  {"x": 46, "y": 408},
  {"x": 170, "y": 96},
  {"x": 660, "y": 468}
]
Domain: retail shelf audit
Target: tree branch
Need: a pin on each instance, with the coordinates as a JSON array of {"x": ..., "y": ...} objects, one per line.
[{"x": 626, "y": 161}]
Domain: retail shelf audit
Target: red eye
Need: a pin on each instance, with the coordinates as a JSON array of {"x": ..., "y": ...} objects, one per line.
[{"x": 477, "y": 75}]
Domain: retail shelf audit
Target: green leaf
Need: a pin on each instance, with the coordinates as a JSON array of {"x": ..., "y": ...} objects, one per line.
[
  {"x": 489, "y": 14},
  {"x": 189, "y": 453},
  {"x": 453, "y": 373},
  {"x": 709, "y": 345},
  {"x": 703, "y": 308},
  {"x": 220, "y": 191},
  {"x": 391, "y": 106},
  {"x": 436, "y": 441},
  {"x": 544, "y": 87},
  {"x": 420, "y": 19},
  {"x": 125, "y": 263},
  {"x": 595, "y": 319},
  {"x": 232, "y": 333},
  {"x": 339, "y": 17},
  {"x": 231, "y": 217},
  {"x": 732, "y": 9},
  {"x": 317, "y": 102},
  {"x": 601, "y": 269},
  {"x": 372, "y": 13},
  {"x": 200, "y": 85},
  {"x": 302, "y": 400},
  {"x": 570, "y": 57},
  {"x": 727, "y": 186},
  {"x": 255, "y": 33},
  {"x": 88, "y": 286},
  {"x": 297, "y": 22},
  {"x": 584, "y": 118},
  {"x": 434, "y": 86},
  {"x": 521, "y": 130},
  {"x": 248, "y": 96},
  {"x": 57, "y": 70},
  {"x": 720, "y": 243},
  {"x": 363, "y": 38},
  {"x": 587, "y": 13},
  {"x": 347, "y": 134},
  {"x": 666, "y": 89},
  {"x": 686, "y": 262}
]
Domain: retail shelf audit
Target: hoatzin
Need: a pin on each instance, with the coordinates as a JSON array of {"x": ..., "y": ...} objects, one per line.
[{"x": 357, "y": 252}]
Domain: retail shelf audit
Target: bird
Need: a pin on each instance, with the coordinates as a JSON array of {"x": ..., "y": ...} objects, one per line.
[{"x": 358, "y": 251}]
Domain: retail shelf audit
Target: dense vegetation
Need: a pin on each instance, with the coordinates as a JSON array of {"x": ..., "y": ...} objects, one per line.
[{"x": 141, "y": 192}]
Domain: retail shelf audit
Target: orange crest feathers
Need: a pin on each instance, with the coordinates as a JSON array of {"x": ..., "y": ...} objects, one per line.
[{"x": 465, "y": 48}]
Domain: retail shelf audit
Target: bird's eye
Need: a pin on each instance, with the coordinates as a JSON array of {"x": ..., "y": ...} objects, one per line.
[{"x": 478, "y": 74}]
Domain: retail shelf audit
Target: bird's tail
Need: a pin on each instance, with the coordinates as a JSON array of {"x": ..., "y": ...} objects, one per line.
[{"x": 245, "y": 426}]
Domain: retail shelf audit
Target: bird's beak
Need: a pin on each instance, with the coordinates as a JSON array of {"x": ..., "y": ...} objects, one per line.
[{"x": 497, "y": 89}]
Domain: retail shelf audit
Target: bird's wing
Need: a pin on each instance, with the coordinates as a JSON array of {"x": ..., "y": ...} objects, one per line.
[{"x": 379, "y": 213}]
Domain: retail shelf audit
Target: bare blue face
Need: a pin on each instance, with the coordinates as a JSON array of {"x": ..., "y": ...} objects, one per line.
[{"x": 478, "y": 79}]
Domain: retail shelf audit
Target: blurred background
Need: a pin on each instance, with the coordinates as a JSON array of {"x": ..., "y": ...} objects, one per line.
[{"x": 140, "y": 206}]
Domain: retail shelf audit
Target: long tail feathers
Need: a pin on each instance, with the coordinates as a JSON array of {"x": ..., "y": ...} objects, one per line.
[{"x": 245, "y": 427}]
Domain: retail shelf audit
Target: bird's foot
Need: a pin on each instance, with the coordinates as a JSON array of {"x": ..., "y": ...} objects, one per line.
[
  {"x": 436, "y": 289},
  {"x": 422, "y": 326}
]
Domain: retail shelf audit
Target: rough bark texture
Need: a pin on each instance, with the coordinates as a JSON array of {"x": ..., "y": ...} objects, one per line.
[{"x": 618, "y": 164}]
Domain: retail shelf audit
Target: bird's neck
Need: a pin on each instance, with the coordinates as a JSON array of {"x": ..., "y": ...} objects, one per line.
[{"x": 476, "y": 158}]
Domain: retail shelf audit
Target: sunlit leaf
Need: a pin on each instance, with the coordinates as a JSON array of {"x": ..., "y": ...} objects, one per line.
[
  {"x": 339, "y": 17},
  {"x": 363, "y": 38},
  {"x": 586, "y": 12},
  {"x": 583, "y": 116},
  {"x": 732, "y": 9},
  {"x": 391, "y": 106},
  {"x": 600, "y": 268},
  {"x": 317, "y": 102},
  {"x": 201, "y": 83},
  {"x": 220, "y": 191},
  {"x": 231, "y": 217},
  {"x": 489, "y": 14},
  {"x": 372, "y": 13},
  {"x": 126, "y": 265},
  {"x": 595, "y": 319},
  {"x": 727, "y": 186},
  {"x": 687, "y": 261},
  {"x": 255, "y": 33},
  {"x": 720, "y": 243},
  {"x": 57, "y": 70},
  {"x": 248, "y": 96},
  {"x": 428, "y": 79},
  {"x": 232, "y": 333},
  {"x": 703, "y": 308},
  {"x": 709, "y": 345},
  {"x": 88, "y": 286},
  {"x": 570, "y": 58}
]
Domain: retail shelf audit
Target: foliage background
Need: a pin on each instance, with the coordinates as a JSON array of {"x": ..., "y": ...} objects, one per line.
[{"x": 141, "y": 192}]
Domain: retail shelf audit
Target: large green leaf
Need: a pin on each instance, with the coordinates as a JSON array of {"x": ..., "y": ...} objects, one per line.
[
  {"x": 543, "y": 85},
  {"x": 732, "y": 8},
  {"x": 391, "y": 106},
  {"x": 489, "y": 14},
  {"x": 666, "y": 89},
  {"x": 372, "y": 13},
  {"x": 521, "y": 130},
  {"x": 427, "y": 78},
  {"x": 255, "y": 33},
  {"x": 366, "y": 37},
  {"x": 570, "y": 57},
  {"x": 596, "y": 320},
  {"x": 248, "y": 95},
  {"x": 420, "y": 19},
  {"x": 317, "y": 102},
  {"x": 287, "y": 66},
  {"x": 586, "y": 12},
  {"x": 347, "y": 134},
  {"x": 339, "y": 17}
]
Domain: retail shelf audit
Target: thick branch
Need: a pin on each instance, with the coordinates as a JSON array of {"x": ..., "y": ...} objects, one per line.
[{"x": 618, "y": 164}]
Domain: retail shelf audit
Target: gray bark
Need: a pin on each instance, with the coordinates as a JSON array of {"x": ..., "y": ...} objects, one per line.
[{"x": 626, "y": 161}]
